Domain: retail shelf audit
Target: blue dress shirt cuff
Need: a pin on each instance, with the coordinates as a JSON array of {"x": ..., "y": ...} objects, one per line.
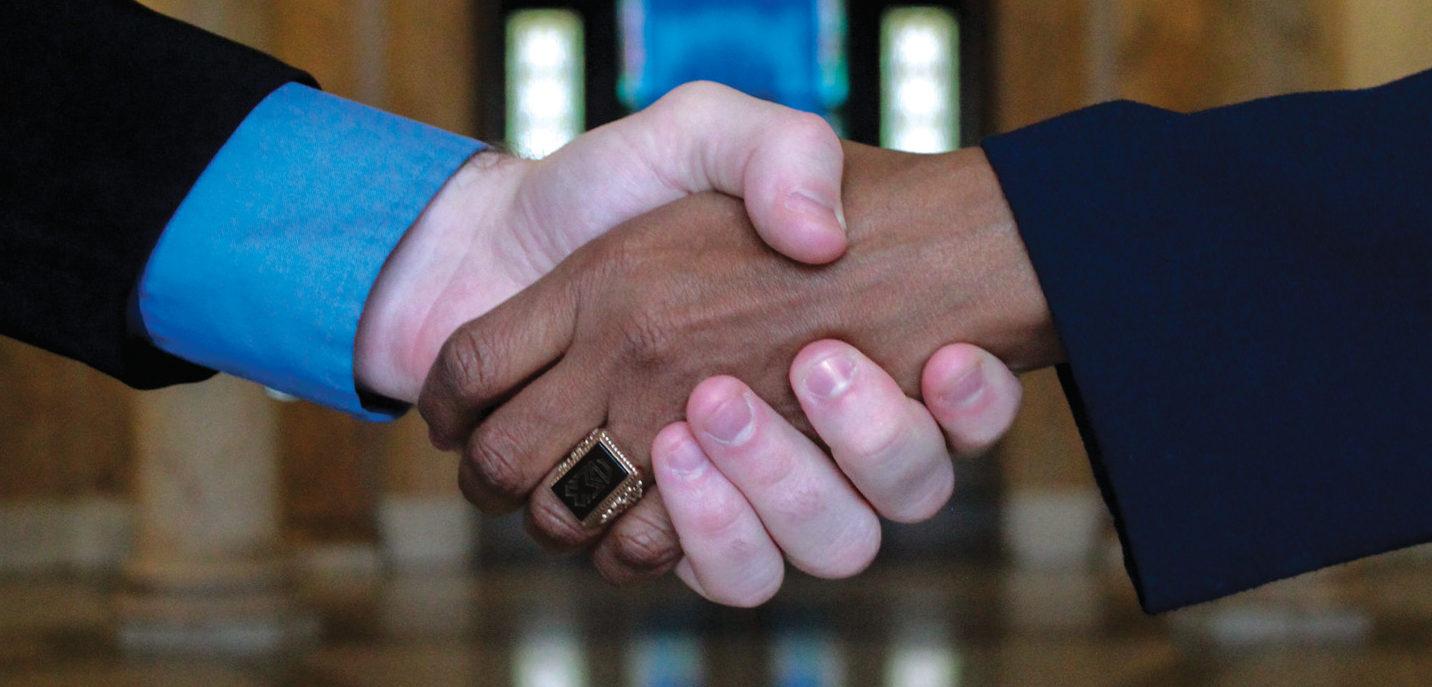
[{"x": 264, "y": 269}]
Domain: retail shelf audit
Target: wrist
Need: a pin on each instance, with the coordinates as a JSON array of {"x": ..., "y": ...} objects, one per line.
[
  {"x": 1012, "y": 301},
  {"x": 441, "y": 273},
  {"x": 945, "y": 237}
]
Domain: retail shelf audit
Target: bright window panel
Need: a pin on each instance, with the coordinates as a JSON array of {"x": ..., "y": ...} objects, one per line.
[
  {"x": 548, "y": 652},
  {"x": 805, "y": 655},
  {"x": 545, "y": 80},
  {"x": 788, "y": 51},
  {"x": 669, "y": 657},
  {"x": 919, "y": 80},
  {"x": 922, "y": 652}
]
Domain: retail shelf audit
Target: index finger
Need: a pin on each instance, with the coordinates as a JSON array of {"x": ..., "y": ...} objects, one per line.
[{"x": 487, "y": 359}]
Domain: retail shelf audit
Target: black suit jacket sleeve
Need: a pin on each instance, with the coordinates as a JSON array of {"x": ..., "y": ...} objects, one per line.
[
  {"x": 1245, "y": 297},
  {"x": 109, "y": 113}
]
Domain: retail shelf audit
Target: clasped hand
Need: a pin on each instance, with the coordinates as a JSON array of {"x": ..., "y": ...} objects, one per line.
[{"x": 726, "y": 369}]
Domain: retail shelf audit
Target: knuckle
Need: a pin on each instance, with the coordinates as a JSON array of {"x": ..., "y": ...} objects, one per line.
[
  {"x": 907, "y": 478},
  {"x": 765, "y": 464},
  {"x": 467, "y": 363},
  {"x": 691, "y": 94},
  {"x": 808, "y": 128},
  {"x": 771, "y": 473},
  {"x": 852, "y": 552},
  {"x": 467, "y": 485},
  {"x": 555, "y": 525},
  {"x": 719, "y": 516},
  {"x": 879, "y": 445},
  {"x": 646, "y": 547},
  {"x": 930, "y": 494},
  {"x": 492, "y": 455},
  {"x": 804, "y": 130},
  {"x": 742, "y": 549},
  {"x": 800, "y": 504}
]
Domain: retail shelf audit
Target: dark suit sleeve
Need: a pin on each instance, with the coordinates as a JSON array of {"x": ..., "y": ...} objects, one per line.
[
  {"x": 1245, "y": 297},
  {"x": 109, "y": 114}
]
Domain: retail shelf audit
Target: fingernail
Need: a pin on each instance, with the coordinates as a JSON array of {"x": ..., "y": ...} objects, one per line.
[
  {"x": 811, "y": 204},
  {"x": 830, "y": 377},
  {"x": 965, "y": 389},
  {"x": 730, "y": 423},
  {"x": 685, "y": 459}
]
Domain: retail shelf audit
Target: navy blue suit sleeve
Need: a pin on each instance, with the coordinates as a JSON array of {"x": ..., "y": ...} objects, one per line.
[{"x": 1245, "y": 298}]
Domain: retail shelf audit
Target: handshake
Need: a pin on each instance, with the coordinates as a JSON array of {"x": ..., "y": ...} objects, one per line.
[{"x": 731, "y": 315}]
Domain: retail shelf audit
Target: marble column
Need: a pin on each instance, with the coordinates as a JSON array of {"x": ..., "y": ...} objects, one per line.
[{"x": 207, "y": 573}]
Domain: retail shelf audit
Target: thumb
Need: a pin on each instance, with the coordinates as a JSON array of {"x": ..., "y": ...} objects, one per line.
[{"x": 786, "y": 164}]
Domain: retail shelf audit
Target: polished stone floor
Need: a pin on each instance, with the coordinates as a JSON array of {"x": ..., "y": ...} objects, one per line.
[{"x": 902, "y": 624}]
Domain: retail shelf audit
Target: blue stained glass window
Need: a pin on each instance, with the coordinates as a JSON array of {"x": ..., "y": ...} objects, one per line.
[{"x": 789, "y": 51}]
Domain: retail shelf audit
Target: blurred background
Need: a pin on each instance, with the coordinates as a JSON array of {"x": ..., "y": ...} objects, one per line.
[{"x": 219, "y": 534}]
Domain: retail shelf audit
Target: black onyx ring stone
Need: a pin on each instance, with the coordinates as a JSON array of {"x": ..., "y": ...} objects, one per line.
[{"x": 597, "y": 481}]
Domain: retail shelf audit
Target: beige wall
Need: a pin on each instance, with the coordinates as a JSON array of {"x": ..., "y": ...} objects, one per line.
[
  {"x": 66, "y": 432},
  {"x": 1383, "y": 40}
]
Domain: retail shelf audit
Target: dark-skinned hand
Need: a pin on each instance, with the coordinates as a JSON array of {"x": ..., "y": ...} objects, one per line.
[{"x": 622, "y": 330}]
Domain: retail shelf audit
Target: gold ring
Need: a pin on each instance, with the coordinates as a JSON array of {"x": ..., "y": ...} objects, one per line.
[{"x": 597, "y": 481}]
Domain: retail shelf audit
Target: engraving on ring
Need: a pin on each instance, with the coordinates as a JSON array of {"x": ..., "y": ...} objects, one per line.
[
  {"x": 595, "y": 475},
  {"x": 597, "y": 481}
]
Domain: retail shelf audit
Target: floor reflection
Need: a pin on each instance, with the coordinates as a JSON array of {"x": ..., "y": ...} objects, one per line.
[{"x": 907, "y": 624}]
